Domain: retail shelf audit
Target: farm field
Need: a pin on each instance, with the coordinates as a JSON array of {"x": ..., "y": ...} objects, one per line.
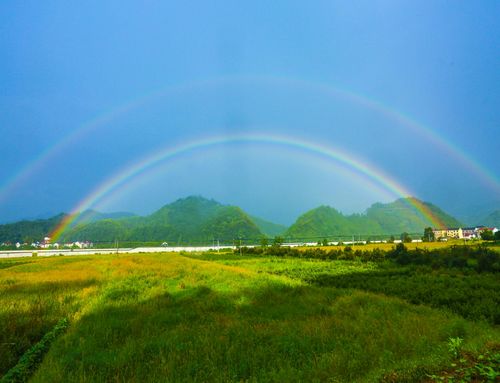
[
  {"x": 471, "y": 295},
  {"x": 226, "y": 317},
  {"x": 410, "y": 246}
]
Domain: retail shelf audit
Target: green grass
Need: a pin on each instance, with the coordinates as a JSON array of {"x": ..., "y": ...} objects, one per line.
[
  {"x": 469, "y": 294},
  {"x": 219, "y": 317}
]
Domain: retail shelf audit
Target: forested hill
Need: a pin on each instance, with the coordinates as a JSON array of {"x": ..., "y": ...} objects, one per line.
[
  {"x": 196, "y": 219},
  {"x": 29, "y": 231},
  {"x": 401, "y": 215},
  {"x": 189, "y": 220},
  {"x": 391, "y": 218}
]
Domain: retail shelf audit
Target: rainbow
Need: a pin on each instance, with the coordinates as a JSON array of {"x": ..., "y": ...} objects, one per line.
[
  {"x": 371, "y": 173},
  {"x": 444, "y": 144}
]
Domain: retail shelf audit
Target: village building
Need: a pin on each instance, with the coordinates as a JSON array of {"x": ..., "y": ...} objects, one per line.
[
  {"x": 462, "y": 233},
  {"x": 469, "y": 232}
]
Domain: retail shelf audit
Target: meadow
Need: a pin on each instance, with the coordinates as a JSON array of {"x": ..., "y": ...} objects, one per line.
[{"x": 216, "y": 317}]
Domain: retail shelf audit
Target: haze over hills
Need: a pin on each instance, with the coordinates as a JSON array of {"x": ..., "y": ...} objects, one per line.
[
  {"x": 492, "y": 220},
  {"x": 196, "y": 219},
  {"x": 474, "y": 213}
]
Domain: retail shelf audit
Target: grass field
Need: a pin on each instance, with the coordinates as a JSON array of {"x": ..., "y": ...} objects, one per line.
[
  {"x": 471, "y": 295},
  {"x": 221, "y": 317}
]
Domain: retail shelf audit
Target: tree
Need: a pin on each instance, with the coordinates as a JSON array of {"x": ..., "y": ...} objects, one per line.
[
  {"x": 399, "y": 253},
  {"x": 487, "y": 235},
  {"x": 325, "y": 242},
  {"x": 391, "y": 239},
  {"x": 28, "y": 241},
  {"x": 497, "y": 236},
  {"x": 264, "y": 242},
  {"x": 428, "y": 235},
  {"x": 278, "y": 241},
  {"x": 405, "y": 237}
]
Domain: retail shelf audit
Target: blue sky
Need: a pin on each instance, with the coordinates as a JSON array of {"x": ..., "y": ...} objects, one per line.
[{"x": 225, "y": 68}]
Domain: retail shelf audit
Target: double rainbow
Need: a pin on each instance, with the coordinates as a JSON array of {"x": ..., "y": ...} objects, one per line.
[
  {"x": 369, "y": 172},
  {"x": 404, "y": 120}
]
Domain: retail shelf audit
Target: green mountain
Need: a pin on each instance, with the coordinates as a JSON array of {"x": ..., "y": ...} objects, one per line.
[
  {"x": 189, "y": 220},
  {"x": 267, "y": 228},
  {"x": 402, "y": 215},
  {"x": 380, "y": 219},
  {"x": 196, "y": 219},
  {"x": 325, "y": 221}
]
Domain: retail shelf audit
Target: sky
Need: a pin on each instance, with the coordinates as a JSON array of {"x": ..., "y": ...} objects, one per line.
[{"x": 91, "y": 89}]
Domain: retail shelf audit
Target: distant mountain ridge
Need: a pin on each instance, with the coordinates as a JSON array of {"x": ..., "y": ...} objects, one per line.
[
  {"x": 268, "y": 228},
  {"x": 379, "y": 219},
  {"x": 195, "y": 219},
  {"x": 475, "y": 213},
  {"x": 89, "y": 216}
]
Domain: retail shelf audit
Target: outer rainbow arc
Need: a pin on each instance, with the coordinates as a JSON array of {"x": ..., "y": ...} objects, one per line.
[
  {"x": 49, "y": 152},
  {"x": 146, "y": 163},
  {"x": 405, "y": 120},
  {"x": 86, "y": 128}
]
